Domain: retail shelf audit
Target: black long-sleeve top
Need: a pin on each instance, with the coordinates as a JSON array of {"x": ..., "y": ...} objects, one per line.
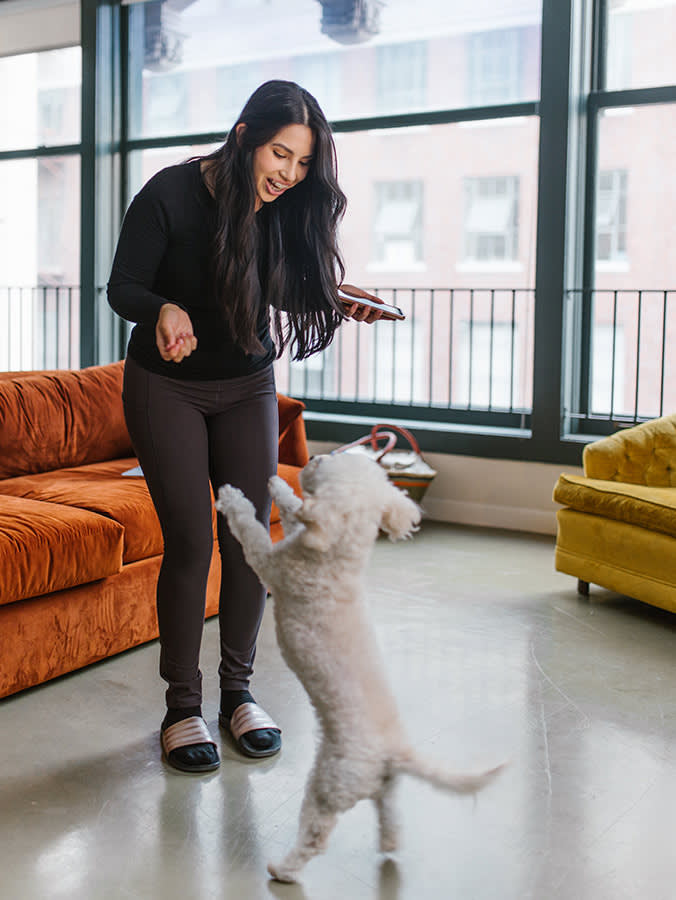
[{"x": 163, "y": 255}]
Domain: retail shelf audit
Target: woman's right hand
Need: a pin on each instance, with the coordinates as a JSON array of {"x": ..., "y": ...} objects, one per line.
[{"x": 173, "y": 333}]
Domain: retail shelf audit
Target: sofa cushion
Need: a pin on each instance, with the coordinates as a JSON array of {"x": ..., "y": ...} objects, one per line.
[
  {"x": 46, "y": 547},
  {"x": 653, "y": 508},
  {"x": 100, "y": 488},
  {"x": 53, "y": 420}
]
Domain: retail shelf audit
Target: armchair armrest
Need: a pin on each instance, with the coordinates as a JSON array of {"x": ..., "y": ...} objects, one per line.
[{"x": 644, "y": 454}]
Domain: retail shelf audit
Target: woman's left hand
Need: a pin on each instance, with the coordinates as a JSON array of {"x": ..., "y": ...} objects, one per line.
[{"x": 357, "y": 310}]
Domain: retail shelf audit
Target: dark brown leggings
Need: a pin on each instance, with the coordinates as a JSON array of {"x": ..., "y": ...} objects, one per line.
[{"x": 188, "y": 434}]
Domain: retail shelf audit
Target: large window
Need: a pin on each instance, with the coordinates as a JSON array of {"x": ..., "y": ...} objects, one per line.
[
  {"x": 621, "y": 327},
  {"x": 40, "y": 209},
  {"x": 420, "y": 226},
  {"x": 440, "y": 133},
  {"x": 452, "y": 163}
]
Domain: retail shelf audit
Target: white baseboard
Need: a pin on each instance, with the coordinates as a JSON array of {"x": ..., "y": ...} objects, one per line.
[{"x": 487, "y": 515}]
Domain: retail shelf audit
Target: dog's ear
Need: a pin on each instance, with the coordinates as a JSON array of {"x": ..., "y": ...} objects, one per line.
[
  {"x": 315, "y": 536},
  {"x": 400, "y": 515}
]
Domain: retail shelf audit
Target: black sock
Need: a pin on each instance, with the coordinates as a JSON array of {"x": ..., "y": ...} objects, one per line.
[
  {"x": 193, "y": 757},
  {"x": 261, "y": 738},
  {"x": 177, "y": 715},
  {"x": 230, "y": 700}
]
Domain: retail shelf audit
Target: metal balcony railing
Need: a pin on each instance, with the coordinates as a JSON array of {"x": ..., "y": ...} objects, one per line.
[
  {"x": 463, "y": 356},
  {"x": 40, "y": 328},
  {"x": 627, "y": 363}
]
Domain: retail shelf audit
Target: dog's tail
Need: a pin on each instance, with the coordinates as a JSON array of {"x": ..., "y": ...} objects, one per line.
[{"x": 457, "y": 782}]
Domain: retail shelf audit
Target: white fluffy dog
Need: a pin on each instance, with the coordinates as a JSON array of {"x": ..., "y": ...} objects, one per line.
[{"x": 315, "y": 577}]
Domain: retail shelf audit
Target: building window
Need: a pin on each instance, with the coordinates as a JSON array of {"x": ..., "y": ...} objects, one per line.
[
  {"x": 401, "y": 76},
  {"x": 494, "y": 67},
  {"x": 611, "y": 215},
  {"x": 398, "y": 223},
  {"x": 491, "y": 218}
]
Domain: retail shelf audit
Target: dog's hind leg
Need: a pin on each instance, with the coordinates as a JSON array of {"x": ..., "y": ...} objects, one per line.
[
  {"x": 317, "y": 819},
  {"x": 387, "y": 816}
]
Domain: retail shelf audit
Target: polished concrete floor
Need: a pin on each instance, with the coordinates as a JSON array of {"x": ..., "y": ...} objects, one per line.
[{"x": 492, "y": 655}]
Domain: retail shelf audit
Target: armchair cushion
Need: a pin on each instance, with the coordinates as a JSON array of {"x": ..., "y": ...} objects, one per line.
[{"x": 653, "y": 508}]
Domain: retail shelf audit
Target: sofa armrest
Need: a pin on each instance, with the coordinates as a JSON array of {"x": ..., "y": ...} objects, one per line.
[
  {"x": 293, "y": 449},
  {"x": 644, "y": 454}
]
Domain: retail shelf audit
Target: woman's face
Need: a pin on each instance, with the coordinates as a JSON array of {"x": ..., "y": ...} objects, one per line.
[{"x": 282, "y": 163}]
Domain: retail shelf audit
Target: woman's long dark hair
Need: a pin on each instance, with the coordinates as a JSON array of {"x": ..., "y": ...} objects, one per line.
[{"x": 302, "y": 263}]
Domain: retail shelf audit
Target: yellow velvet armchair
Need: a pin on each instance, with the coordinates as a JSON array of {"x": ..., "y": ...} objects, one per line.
[{"x": 618, "y": 525}]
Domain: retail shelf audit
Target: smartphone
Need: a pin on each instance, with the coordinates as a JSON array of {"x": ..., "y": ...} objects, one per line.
[{"x": 388, "y": 311}]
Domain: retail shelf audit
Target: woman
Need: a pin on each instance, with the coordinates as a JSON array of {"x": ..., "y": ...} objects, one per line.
[{"x": 207, "y": 248}]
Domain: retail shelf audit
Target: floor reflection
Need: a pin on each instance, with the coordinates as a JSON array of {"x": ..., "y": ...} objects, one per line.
[{"x": 491, "y": 655}]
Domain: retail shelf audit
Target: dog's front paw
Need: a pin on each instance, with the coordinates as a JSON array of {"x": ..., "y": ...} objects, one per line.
[
  {"x": 281, "y": 492},
  {"x": 228, "y": 496},
  {"x": 275, "y": 483},
  {"x": 283, "y": 873}
]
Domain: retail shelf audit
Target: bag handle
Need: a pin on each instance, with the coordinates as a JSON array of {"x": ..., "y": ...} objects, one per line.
[
  {"x": 372, "y": 439},
  {"x": 402, "y": 431}
]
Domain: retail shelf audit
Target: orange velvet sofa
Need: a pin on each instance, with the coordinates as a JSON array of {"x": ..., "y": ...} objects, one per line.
[{"x": 80, "y": 544}]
